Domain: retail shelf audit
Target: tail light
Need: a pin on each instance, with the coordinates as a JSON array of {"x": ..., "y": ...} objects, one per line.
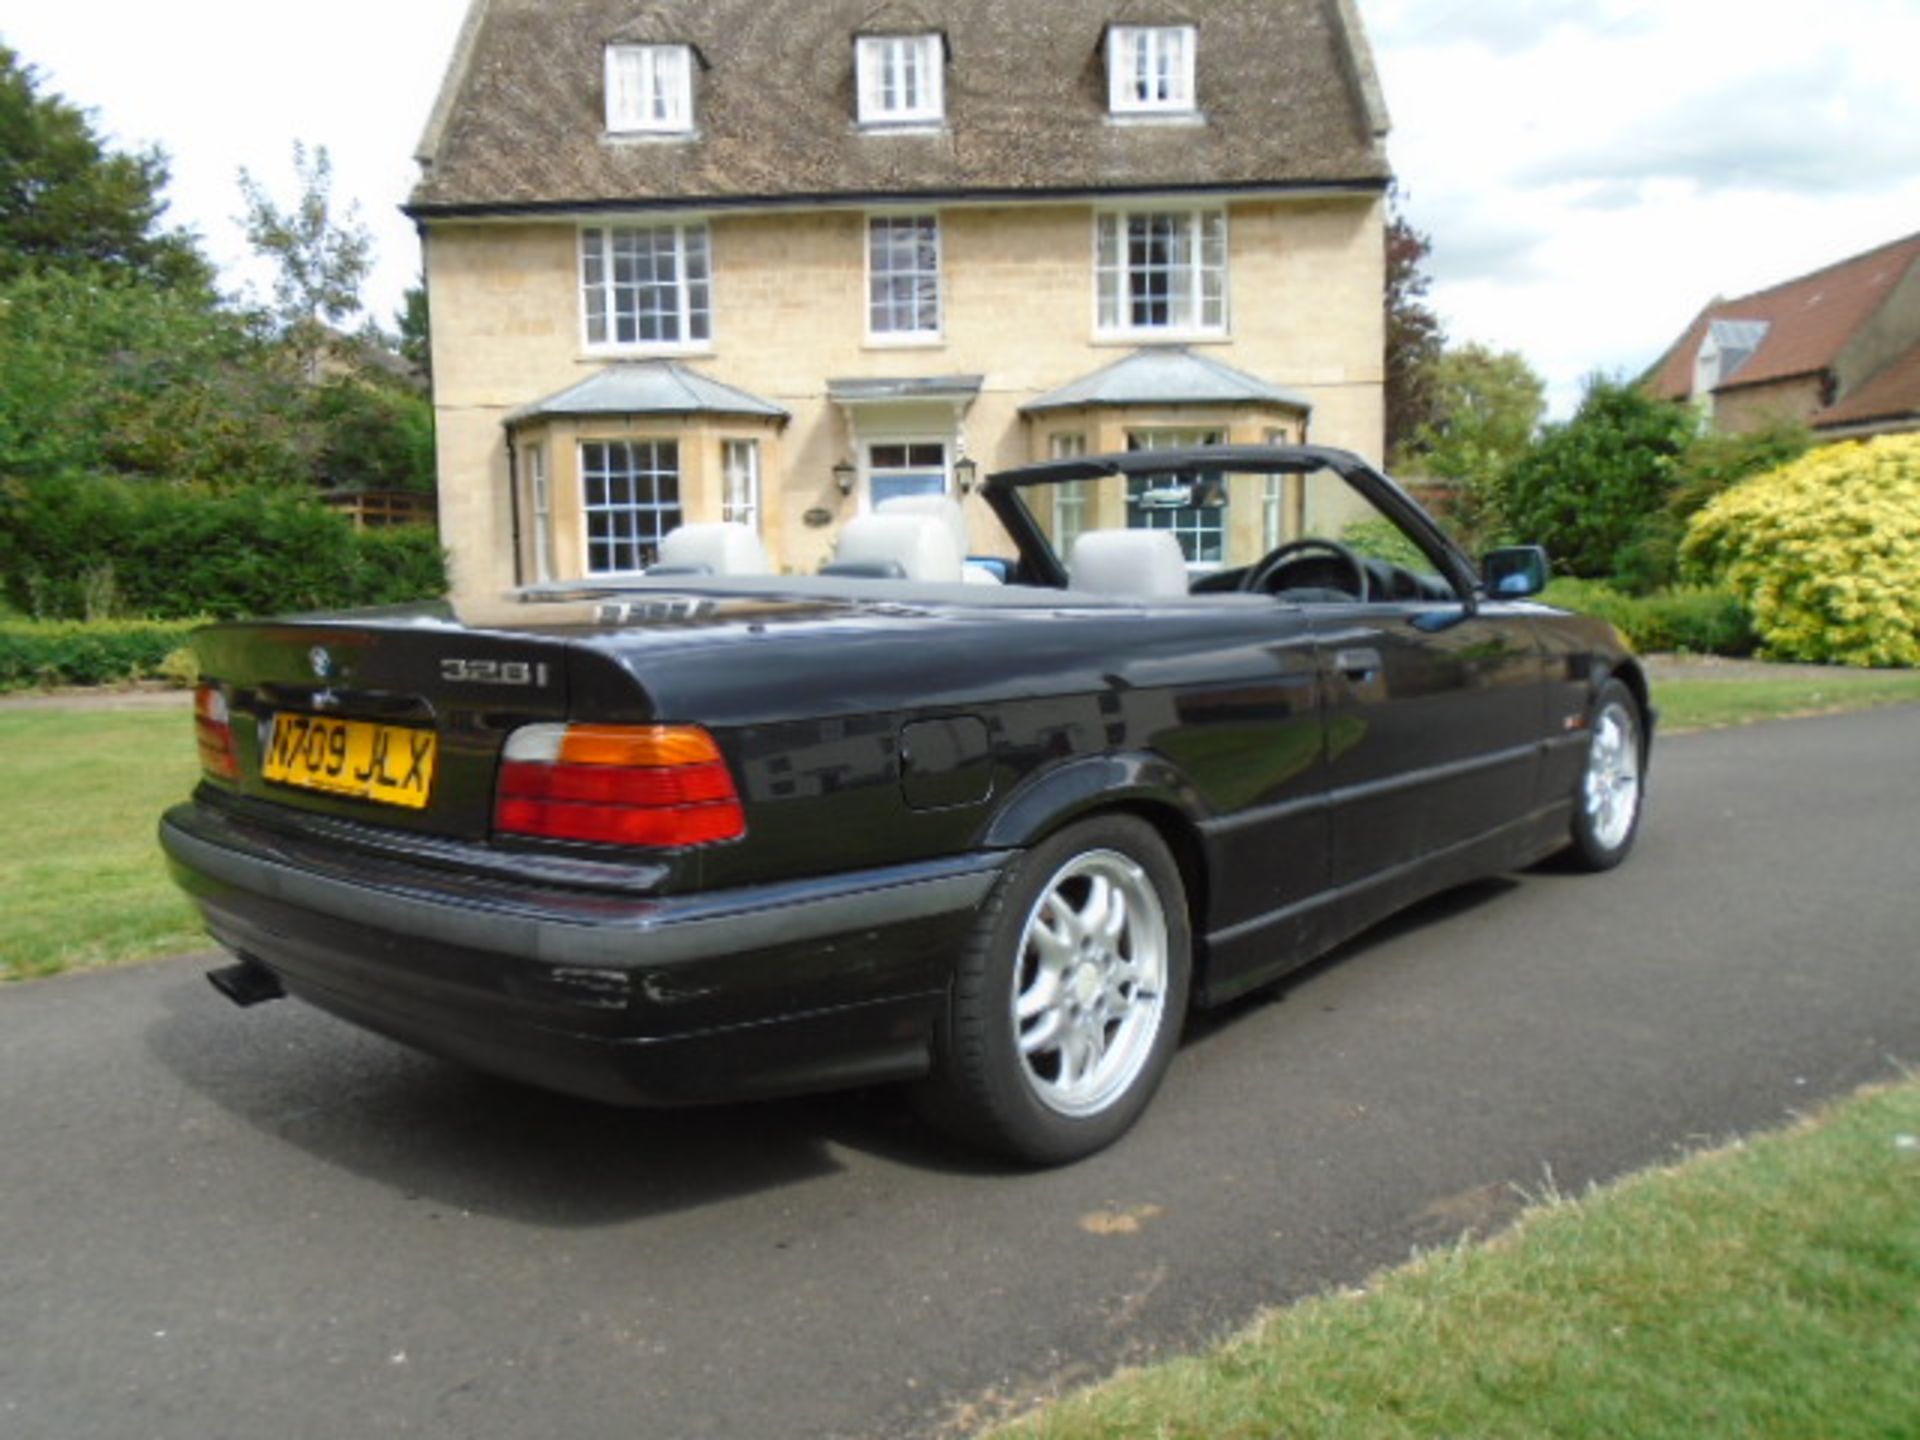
[
  {"x": 213, "y": 728},
  {"x": 662, "y": 785}
]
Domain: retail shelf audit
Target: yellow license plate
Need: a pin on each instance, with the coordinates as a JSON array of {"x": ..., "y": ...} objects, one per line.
[{"x": 388, "y": 764}]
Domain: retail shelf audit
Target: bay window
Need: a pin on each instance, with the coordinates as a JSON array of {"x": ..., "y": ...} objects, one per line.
[{"x": 630, "y": 491}]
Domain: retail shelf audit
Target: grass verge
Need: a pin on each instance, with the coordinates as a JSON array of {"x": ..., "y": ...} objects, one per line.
[
  {"x": 1767, "y": 1289},
  {"x": 1697, "y": 704},
  {"x": 82, "y": 875}
]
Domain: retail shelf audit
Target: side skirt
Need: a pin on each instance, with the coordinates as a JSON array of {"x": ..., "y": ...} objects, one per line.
[{"x": 1257, "y": 952}]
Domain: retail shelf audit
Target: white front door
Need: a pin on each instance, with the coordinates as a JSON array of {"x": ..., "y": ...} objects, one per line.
[{"x": 905, "y": 467}]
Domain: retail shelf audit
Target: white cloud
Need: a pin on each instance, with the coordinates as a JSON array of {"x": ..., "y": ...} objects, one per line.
[
  {"x": 1503, "y": 27},
  {"x": 1591, "y": 174}
]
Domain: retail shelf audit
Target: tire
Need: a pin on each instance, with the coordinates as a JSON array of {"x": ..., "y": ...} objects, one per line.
[
  {"x": 1068, "y": 1000},
  {"x": 1611, "y": 792}
]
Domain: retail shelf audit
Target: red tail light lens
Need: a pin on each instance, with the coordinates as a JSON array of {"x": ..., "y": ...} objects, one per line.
[
  {"x": 657, "y": 785},
  {"x": 213, "y": 728}
]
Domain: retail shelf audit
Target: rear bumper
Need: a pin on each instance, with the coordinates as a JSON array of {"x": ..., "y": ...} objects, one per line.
[{"x": 629, "y": 998}]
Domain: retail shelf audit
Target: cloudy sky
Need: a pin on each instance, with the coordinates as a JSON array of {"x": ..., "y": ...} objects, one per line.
[{"x": 1590, "y": 171}]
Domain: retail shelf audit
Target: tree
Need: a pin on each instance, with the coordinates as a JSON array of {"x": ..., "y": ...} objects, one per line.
[
  {"x": 67, "y": 202},
  {"x": 1715, "y": 462},
  {"x": 1415, "y": 337},
  {"x": 321, "y": 260},
  {"x": 103, "y": 373},
  {"x": 413, "y": 324},
  {"x": 1711, "y": 464},
  {"x": 1487, "y": 404},
  {"x": 1486, "y": 407},
  {"x": 1587, "y": 488},
  {"x": 372, "y": 436}
]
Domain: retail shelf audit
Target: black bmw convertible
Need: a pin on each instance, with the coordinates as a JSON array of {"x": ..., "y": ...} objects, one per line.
[{"x": 986, "y": 806}]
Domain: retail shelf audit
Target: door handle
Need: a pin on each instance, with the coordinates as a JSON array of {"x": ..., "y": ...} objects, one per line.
[{"x": 1357, "y": 665}]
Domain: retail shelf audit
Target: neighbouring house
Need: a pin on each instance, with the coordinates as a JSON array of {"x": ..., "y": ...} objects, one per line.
[
  {"x": 776, "y": 261},
  {"x": 1838, "y": 350}
]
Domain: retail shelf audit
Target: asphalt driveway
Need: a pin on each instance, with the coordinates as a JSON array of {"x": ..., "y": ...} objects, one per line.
[{"x": 216, "y": 1223}]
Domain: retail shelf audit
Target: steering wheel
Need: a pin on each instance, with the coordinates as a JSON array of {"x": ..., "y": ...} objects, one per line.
[{"x": 1259, "y": 575}]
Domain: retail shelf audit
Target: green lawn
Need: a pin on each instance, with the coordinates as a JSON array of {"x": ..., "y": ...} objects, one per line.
[
  {"x": 81, "y": 873},
  {"x": 1694, "y": 704},
  {"x": 1769, "y": 1289}
]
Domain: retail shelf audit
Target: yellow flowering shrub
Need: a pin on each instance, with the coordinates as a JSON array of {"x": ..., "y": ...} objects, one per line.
[{"x": 1824, "y": 551}]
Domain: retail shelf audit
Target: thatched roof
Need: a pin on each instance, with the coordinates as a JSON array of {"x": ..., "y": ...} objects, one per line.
[{"x": 1286, "y": 88}]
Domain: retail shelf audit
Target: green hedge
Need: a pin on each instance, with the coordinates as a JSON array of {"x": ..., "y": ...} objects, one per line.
[
  {"x": 95, "y": 547},
  {"x": 1700, "y": 620},
  {"x": 36, "y": 653}
]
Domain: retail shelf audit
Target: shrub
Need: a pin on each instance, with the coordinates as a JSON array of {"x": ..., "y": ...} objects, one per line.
[
  {"x": 93, "y": 547},
  {"x": 398, "y": 564},
  {"x": 1715, "y": 463},
  {"x": 1383, "y": 540},
  {"x": 1699, "y": 620},
  {"x": 1825, "y": 552},
  {"x": 1586, "y": 487},
  {"x": 1711, "y": 464},
  {"x": 35, "y": 653},
  {"x": 180, "y": 669}
]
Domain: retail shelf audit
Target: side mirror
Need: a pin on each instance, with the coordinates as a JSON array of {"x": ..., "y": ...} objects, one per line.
[{"x": 1515, "y": 571}]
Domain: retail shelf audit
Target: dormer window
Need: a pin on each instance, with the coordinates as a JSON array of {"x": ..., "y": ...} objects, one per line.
[
  {"x": 1706, "y": 368},
  {"x": 1150, "y": 69},
  {"x": 901, "y": 79},
  {"x": 1727, "y": 345},
  {"x": 649, "y": 89}
]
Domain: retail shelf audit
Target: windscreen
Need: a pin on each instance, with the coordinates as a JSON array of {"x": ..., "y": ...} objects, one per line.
[{"x": 1226, "y": 522}]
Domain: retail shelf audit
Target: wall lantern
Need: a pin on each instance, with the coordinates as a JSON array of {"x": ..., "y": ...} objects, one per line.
[
  {"x": 965, "y": 473},
  {"x": 843, "y": 474}
]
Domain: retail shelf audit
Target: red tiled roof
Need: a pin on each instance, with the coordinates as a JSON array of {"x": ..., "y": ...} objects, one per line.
[
  {"x": 1809, "y": 319},
  {"x": 1893, "y": 391}
]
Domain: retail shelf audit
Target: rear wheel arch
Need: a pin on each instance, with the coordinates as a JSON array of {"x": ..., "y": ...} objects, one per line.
[
  {"x": 1044, "y": 803},
  {"x": 1152, "y": 790}
]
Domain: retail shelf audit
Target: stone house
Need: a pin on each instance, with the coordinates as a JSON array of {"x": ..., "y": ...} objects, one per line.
[
  {"x": 778, "y": 260},
  {"x": 1838, "y": 350}
]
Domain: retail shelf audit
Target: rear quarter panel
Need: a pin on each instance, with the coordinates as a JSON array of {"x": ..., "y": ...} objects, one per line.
[{"x": 1199, "y": 711}]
